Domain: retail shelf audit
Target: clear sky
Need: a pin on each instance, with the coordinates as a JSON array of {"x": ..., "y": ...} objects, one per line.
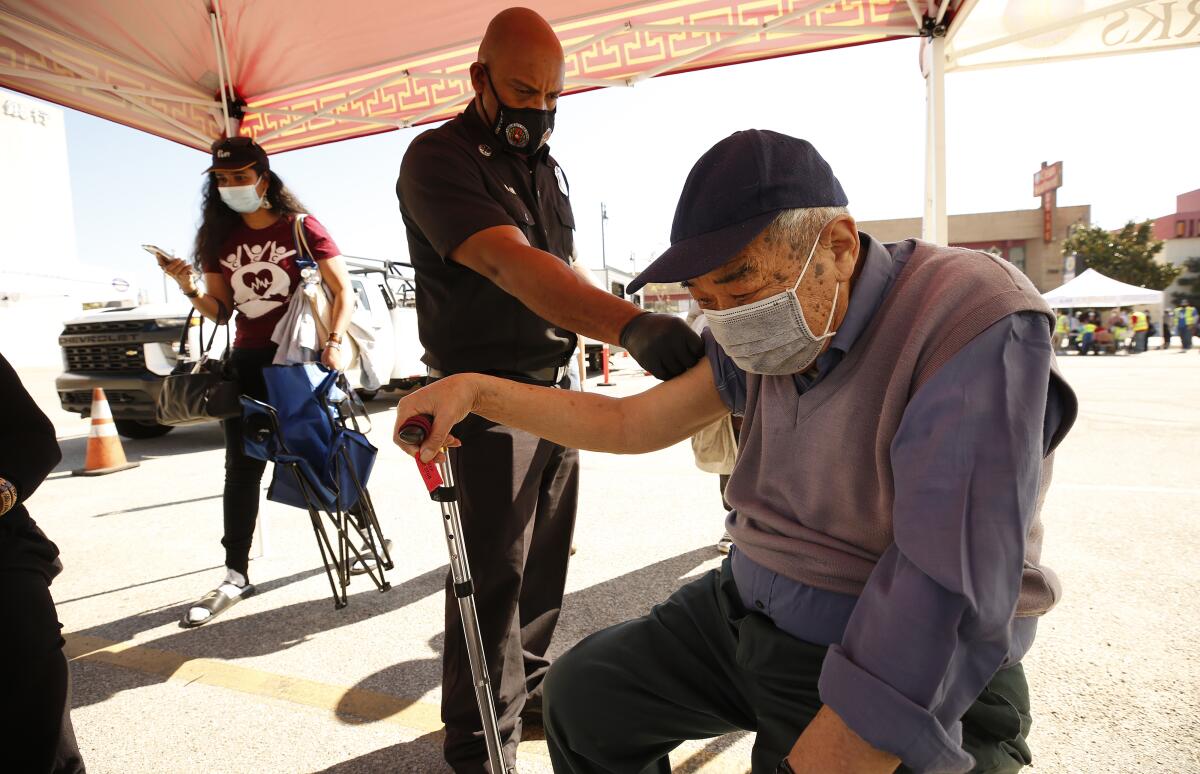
[{"x": 1124, "y": 127}]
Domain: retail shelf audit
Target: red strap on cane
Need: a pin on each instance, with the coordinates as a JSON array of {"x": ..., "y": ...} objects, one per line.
[{"x": 419, "y": 427}]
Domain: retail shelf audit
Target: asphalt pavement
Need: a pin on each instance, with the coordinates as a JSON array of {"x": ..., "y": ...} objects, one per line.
[{"x": 285, "y": 683}]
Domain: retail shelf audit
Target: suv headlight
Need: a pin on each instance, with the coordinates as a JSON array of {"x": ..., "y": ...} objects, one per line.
[{"x": 169, "y": 322}]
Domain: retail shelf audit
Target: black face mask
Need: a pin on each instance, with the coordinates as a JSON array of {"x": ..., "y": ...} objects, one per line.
[{"x": 522, "y": 130}]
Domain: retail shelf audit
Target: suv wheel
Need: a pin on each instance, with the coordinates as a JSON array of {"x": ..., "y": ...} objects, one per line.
[{"x": 141, "y": 429}]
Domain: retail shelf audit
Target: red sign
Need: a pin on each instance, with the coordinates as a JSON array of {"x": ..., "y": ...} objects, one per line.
[
  {"x": 1047, "y": 178},
  {"x": 1048, "y": 216}
]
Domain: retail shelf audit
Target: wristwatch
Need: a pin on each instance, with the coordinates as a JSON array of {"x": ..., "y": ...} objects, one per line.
[{"x": 784, "y": 767}]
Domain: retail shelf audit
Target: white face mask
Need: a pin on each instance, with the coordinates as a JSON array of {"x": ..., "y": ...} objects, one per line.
[
  {"x": 771, "y": 336},
  {"x": 242, "y": 198}
]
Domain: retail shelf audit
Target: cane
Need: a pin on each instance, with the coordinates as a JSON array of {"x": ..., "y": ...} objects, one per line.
[{"x": 441, "y": 490}]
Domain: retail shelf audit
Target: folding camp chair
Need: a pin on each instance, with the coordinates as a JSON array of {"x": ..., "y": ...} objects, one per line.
[{"x": 310, "y": 430}]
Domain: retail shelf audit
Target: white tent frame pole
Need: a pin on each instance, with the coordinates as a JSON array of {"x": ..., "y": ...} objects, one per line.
[
  {"x": 433, "y": 111},
  {"x": 592, "y": 40},
  {"x": 148, "y": 109},
  {"x": 216, "y": 39},
  {"x": 229, "y": 79},
  {"x": 918, "y": 17},
  {"x": 941, "y": 14},
  {"x": 811, "y": 29},
  {"x": 89, "y": 83},
  {"x": 934, "y": 224},
  {"x": 760, "y": 29},
  {"x": 598, "y": 82},
  {"x": 347, "y": 119},
  {"x": 951, "y": 67},
  {"x": 18, "y": 23},
  {"x": 960, "y": 16},
  {"x": 327, "y": 111},
  {"x": 1045, "y": 28}
]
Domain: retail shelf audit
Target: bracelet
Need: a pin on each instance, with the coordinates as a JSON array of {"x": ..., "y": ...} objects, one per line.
[
  {"x": 8, "y": 496},
  {"x": 335, "y": 337},
  {"x": 331, "y": 344},
  {"x": 194, "y": 294}
]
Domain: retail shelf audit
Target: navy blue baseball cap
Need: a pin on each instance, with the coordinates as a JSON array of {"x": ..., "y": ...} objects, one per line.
[{"x": 734, "y": 192}]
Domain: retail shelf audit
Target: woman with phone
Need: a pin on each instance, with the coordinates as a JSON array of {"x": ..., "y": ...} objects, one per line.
[{"x": 246, "y": 251}]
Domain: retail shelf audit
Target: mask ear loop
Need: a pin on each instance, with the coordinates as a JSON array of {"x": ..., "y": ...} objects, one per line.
[
  {"x": 499, "y": 105},
  {"x": 836, "y": 287}
]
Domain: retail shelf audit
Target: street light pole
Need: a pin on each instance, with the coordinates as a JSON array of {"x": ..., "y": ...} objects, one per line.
[{"x": 603, "y": 251}]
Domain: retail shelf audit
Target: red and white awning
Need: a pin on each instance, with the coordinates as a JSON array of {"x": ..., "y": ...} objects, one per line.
[{"x": 305, "y": 72}]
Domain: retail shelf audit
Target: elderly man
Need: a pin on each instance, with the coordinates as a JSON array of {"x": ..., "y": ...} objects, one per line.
[
  {"x": 901, "y": 404},
  {"x": 490, "y": 230}
]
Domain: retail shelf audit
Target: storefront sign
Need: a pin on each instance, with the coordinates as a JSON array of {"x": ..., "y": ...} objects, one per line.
[
  {"x": 23, "y": 112},
  {"x": 1046, "y": 181}
]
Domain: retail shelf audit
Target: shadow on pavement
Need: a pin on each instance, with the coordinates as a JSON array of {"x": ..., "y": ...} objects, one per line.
[
  {"x": 584, "y": 611},
  {"x": 152, "y": 506},
  {"x": 139, "y": 585},
  {"x": 270, "y": 631},
  {"x": 181, "y": 440},
  {"x": 421, "y": 754}
]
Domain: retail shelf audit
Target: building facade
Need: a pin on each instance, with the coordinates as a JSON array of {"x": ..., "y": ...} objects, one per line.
[
  {"x": 1180, "y": 231},
  {"x": 1016, "y": 235}
]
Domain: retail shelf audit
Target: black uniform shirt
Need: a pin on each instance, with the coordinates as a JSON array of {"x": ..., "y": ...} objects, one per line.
[{"x": 454, "y": 182}]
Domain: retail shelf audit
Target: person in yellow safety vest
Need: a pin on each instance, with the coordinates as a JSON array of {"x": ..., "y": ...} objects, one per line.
[
  {"x": 1062, "y": 332},
  {"x": 1140, "y": 321},
  {"x": 1088, "y": 337},
  {"x": 1185, "y": 323}
]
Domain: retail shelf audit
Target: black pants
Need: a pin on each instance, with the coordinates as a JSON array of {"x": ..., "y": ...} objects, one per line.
[
  {"x": 700, "y": 666},
  {"x": 36, "y": 735},
  {"x": 517, "y": 497},
  {"x": 243, "y": 475}
]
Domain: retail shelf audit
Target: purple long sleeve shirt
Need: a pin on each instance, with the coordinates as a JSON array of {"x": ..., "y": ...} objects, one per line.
[{"x": 954, "y": 638}]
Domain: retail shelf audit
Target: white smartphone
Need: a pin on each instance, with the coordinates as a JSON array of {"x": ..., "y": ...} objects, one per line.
[{"x": 160, "y": 254}]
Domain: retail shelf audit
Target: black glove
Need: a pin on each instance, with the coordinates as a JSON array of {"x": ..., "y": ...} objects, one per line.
[{"x": 663, "y": 344}]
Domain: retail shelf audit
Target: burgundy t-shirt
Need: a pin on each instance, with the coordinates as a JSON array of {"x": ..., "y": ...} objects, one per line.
[{"x": 260, "y": 267}]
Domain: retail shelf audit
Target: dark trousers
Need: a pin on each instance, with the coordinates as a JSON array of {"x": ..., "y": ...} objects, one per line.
[
  {"x": 36, "y": 736},
  {"x": 700, "y": 666},
  {"x": 243, "y": 475},
  {"x": 517, "y": 496},
  {"x": 1139, "y": 340},
  {"x": 1185, "y": 336}
]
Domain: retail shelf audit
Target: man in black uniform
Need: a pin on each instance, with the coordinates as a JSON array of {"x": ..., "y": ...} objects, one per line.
[{"x": 490, "y": 235}]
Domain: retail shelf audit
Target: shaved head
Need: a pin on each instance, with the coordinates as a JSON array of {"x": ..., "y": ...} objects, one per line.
[
  {"x": 518, "y": 33},
  {"x": 520, "y": 63}
]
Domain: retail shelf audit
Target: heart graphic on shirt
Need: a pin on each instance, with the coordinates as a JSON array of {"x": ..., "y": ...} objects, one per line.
[{"x": 259, "y": 281}]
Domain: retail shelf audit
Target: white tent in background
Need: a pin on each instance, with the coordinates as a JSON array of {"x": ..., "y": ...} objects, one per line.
[{"x": 1094, "y": 289}]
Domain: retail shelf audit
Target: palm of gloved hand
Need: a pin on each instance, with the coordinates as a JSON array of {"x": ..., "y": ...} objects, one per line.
[{"x": 663, "y": 344}]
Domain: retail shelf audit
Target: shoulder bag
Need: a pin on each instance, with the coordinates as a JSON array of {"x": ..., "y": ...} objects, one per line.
[{"x": 199, "y": 392}]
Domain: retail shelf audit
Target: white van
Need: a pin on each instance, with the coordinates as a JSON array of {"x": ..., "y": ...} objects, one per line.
[{"x": 128, "y": 351}]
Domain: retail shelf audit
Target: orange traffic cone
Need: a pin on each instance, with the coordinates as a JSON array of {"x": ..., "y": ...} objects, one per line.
[{"x": 104, "y": 452}]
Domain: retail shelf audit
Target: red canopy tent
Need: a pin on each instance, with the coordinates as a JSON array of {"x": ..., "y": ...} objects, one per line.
[{"x": 297, "y": 73}]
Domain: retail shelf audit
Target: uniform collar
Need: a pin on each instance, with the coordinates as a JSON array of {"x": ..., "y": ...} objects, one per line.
[
  {"x": 481, "y": 133},
  {"x": 867, "y": 293}
]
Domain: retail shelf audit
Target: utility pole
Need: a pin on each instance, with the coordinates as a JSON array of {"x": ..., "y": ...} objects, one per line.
[{"x": 603, "y": 252}]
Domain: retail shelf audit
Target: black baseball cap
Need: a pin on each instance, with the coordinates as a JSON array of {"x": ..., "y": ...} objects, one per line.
[
  {"x": 734, "y": 192},
  {"x": 238, "y": 153}
]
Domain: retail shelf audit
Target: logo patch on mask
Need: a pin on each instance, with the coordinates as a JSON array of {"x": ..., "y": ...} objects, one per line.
[
  {"x": 562, "y": 181},
  {"x": 517, "y": 134},
  {"x": 485, "y": 151}
]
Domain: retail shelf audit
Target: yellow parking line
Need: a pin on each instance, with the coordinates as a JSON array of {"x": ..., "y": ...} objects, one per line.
[
  {"x": 361, "y": 703},
  {"x": 178, "y": 667}
]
